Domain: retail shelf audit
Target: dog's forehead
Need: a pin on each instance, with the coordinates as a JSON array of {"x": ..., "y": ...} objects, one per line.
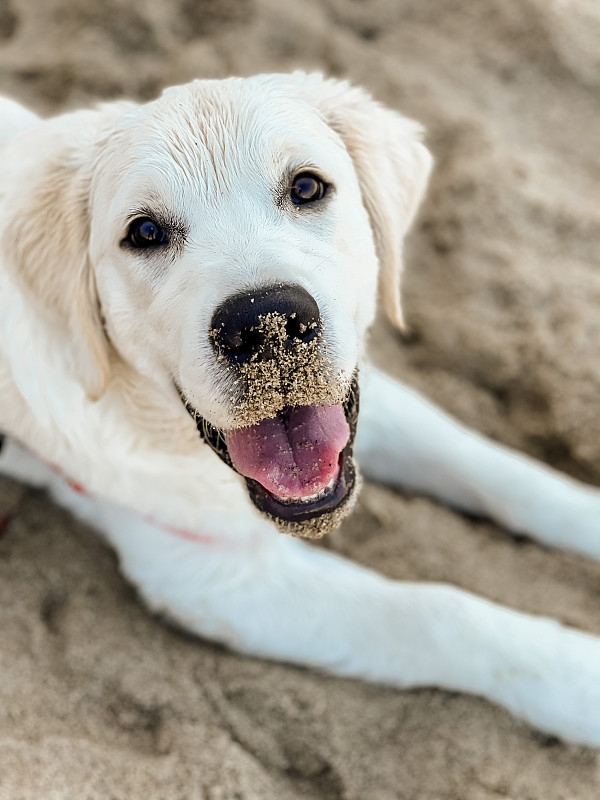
[{"x": 213, "y": 132}]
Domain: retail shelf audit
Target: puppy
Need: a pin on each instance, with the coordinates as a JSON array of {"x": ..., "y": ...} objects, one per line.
[{"x": 185, "y": 289}]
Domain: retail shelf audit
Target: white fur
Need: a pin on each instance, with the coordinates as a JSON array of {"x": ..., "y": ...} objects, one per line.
[{"x": 93, "y": 335}]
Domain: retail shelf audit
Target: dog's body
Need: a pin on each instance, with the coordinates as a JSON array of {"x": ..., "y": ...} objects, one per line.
[{"x": 99, "y": 343}]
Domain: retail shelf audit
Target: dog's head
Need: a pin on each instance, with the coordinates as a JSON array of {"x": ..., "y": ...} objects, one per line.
[{"x": 225, "y": 241}]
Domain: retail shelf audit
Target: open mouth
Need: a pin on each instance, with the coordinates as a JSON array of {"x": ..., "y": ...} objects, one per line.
[{"x": 298, "y": 465}]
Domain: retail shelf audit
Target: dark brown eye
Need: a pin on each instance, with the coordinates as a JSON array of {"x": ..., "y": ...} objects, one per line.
[
  {"x": 307, "y": 188},
  {"x": 144, "y": 232}
]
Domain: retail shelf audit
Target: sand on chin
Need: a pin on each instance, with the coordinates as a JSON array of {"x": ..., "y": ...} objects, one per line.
[{"x": 100, "y": 700}]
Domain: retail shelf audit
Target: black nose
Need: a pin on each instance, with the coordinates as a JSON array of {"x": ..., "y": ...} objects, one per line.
[{"x": 239, "y": 326}]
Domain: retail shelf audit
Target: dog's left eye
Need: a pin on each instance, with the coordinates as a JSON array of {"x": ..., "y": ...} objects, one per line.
[
  {"x": 307, "y": 188},
  {"x": 144, "y": 232}
]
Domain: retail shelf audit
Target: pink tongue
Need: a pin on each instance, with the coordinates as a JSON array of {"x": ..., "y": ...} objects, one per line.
[{"x": 292, "y": 457}]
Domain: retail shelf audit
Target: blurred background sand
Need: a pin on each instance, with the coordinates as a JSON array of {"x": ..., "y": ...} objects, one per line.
[{"x": 100, "y": 700}]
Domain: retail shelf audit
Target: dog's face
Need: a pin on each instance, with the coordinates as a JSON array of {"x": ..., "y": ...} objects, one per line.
[
  {"x": 235, "y": 232},
  {"x": 218, "y": 190}
]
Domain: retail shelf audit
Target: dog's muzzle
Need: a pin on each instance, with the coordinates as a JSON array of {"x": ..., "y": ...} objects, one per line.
[
  {"x": 295, "y": 424},
  {"x": 310, "y": 509}
]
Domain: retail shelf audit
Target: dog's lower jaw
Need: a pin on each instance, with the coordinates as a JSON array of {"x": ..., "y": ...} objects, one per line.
[
  {"x": 313, "y": 520},
  {"x": 301, "y": 518},
  {"x": 319, "y": 526}
]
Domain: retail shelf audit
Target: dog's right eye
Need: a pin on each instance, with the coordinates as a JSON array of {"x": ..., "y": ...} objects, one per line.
[{"x": 144, "y": 232}]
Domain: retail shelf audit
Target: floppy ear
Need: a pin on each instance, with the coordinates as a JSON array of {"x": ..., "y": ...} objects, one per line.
[
  {"x": 46, "y": 244},
  {"x": 392, "y": 165}
]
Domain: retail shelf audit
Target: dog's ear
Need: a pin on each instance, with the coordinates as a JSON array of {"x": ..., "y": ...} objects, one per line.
[
  {"x": 46, "y": 244},
  {"x": 392, "y": 165}
]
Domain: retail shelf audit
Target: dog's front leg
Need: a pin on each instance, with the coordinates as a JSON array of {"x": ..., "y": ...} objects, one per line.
[
  {"x": 269, "y": 595},
  {"x": 406, "y": 441}
]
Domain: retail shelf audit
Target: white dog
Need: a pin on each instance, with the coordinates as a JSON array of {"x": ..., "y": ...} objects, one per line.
[{"x": 208, "y": 263}]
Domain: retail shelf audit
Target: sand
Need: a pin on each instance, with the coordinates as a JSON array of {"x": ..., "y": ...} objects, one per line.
[{"x": 101, "y": 700}]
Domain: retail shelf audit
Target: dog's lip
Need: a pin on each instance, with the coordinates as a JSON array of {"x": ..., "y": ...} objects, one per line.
[{"x": 295, "y": 511}]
